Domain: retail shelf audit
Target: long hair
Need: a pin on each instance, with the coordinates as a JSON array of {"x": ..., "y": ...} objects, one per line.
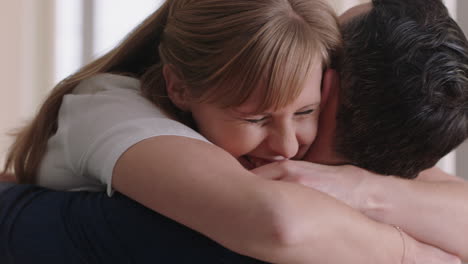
[{"x": 222, "y": 49}]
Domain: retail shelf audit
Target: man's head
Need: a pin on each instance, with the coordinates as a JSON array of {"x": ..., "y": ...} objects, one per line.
[{"x": 403, "y": 102}]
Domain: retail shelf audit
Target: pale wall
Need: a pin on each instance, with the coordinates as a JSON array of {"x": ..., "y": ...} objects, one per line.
[
  {"x": 26, "y": 53},
  {"x": 10, "y": 68},
  {"x": 462, "y": 152}
]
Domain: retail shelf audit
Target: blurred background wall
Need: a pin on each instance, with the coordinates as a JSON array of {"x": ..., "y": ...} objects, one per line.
[{"x": 44, "y": 41}]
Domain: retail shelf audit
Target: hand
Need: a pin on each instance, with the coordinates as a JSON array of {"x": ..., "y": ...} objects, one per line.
[{"x": 345, "y": 183}]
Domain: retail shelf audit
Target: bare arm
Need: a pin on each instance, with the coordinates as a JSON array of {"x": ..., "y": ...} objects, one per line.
[
  {"x": 433, "y": 208},
  {"x": 203, "y": 187}
]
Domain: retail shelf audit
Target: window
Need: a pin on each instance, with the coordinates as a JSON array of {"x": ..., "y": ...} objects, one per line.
[{"x": 86, "y": 29}]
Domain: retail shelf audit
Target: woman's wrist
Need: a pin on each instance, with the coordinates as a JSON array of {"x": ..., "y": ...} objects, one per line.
[
  {"x": 403, "y": 243},
  {"x": 377, "y": 197}
]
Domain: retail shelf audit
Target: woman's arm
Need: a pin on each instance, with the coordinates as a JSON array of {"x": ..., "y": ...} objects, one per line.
[
  {"x": 433, "y": 209},
  {"x": 206, "y": 189}
]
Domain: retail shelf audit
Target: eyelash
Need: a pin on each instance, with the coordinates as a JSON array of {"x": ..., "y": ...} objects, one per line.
[
  {"x": 257, "y": 121},
  {"x": 305, "y": 112}
]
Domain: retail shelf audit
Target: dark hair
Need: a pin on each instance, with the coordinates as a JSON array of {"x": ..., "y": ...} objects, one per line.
[{"x": 404, "y": 94}]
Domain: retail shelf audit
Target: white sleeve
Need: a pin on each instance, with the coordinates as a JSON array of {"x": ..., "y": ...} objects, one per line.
[{"x": 99, "y": 128}]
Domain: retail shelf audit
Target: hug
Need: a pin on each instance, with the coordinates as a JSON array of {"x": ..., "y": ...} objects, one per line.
[{"x": 251, "y": 131}]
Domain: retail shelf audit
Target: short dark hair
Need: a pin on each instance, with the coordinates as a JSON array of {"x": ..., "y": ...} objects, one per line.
[{"x": 404, "y": 94}]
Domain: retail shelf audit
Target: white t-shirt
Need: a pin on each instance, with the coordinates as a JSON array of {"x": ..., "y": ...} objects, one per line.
[{"x": 103, "y": 117}]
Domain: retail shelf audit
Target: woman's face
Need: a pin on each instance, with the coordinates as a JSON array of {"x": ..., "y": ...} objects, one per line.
[{"x": 258, "y": 139}]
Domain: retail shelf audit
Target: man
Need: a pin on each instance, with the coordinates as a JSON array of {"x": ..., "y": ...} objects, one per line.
[
  {"x": 107, "y": 239},
  {"x": 404, "y": 75}
]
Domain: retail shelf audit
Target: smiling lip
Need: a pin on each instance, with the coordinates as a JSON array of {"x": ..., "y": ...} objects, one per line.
[{"x": 251, "y": 162}]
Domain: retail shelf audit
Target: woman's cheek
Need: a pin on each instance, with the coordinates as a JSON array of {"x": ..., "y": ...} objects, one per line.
[
  {"x": 307, "y": 131},
  {"x": 244, "y": 140}
]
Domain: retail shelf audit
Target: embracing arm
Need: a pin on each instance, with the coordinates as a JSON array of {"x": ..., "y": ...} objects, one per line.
[
  {"x": 206, "y": 189},
  {"x": 433, "y": 208}
]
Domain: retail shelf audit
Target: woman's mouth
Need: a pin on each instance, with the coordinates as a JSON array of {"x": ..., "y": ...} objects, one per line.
[
  {"x": 250, "y": 162},
  {"x": 244, "y": 161}
]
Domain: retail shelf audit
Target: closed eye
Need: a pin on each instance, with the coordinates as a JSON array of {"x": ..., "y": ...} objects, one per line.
[
  {"x": 305, "y": 112},
  {"x": 256, "y": 121}
]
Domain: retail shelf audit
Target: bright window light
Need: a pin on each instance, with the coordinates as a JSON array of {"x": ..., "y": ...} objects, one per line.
[
  {"x": 68, "y": 38},
  {"x": 114, "y": 19}
]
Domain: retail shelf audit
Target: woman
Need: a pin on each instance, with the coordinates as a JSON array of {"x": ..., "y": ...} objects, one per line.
[{"x": 193, "y": 62}]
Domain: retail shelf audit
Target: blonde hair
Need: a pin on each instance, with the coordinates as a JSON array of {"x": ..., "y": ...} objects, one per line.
[{"x": 222, "y": 50}]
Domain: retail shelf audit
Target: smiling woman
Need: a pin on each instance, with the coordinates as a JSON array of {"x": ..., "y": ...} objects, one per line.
[
  {"x": 117, "y": 122},
  {"x": 165, "y": 118},
  {"x": 257, "y": 136},
  {"x": 26, "y": 47}
]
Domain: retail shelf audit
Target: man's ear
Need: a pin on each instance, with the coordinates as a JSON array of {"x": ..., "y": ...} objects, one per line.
[
  {"x": 176, "y": 88},
  {"x": 330, "y": 82}
]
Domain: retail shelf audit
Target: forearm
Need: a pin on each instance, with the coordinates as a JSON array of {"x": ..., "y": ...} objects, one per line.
[
  {"x": 274, "y": 221},
  {"x": 177, "y": 178},
  {"x": 316, "y": 228},
  {"x": 434, "y": 212}
]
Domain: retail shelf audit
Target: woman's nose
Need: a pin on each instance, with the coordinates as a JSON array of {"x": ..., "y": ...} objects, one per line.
[{"x": 283, "y": 141}]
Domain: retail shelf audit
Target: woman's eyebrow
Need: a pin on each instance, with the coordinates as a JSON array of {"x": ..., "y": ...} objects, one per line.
[
  {"x": 269, "y": 113},
  {"x": 309, "y": 105},
  {"x": 250, "y": 112},
  {"x": 314, "y": 105}
]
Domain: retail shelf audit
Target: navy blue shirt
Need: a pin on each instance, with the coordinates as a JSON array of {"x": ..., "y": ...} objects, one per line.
[{"x": 38, "y": 225}]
